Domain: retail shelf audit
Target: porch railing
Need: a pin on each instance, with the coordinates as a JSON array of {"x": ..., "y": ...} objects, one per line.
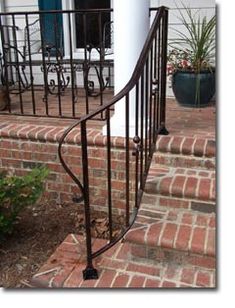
[
  {"x": 56, "y": 53},
  {"x": 146, "y": 91}
]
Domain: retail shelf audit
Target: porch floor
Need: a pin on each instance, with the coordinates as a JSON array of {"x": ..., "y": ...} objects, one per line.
[
  {"x": 56, "y": 105},
  {"x": 180, "y": 121}
]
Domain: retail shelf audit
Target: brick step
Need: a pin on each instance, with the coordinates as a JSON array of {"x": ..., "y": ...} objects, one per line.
[
  {"x": 184, "y": 161},
  {"x": 198, "y": 147},
  {"x": 116, "y": 270},
  {"x": 166, "y": 202},
  {"x": 173, "y": 236},
  {"x": 181, "y": 183}
]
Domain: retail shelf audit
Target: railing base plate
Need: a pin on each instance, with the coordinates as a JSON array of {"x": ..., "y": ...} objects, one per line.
[
  {"x": 163, "y": 131},
  {"x": 90, "y": 273}
]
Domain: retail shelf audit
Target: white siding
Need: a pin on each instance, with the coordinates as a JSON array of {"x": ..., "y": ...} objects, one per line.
[
  {"x": 19, "y": 5},
  {"x": 206, "y": 7}
]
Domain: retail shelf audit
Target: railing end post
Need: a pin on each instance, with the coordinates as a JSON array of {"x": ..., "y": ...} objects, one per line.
[{"x": 90, "y": 273}]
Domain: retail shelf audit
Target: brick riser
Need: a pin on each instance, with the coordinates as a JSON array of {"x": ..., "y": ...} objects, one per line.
[
  {"x": 178, "y": 151},
  {"x": 191, "y": 189},
  {"x": 167, "y": 202},
  {"x": 174, "y": 237},
  {"x": 184, "y": 161},
  {"x": 146, "y": 254},
  {"x": 180, "y": 186}
]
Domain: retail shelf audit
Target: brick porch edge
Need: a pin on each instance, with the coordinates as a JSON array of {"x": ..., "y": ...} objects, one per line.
[{"x": 25, "y": 146}]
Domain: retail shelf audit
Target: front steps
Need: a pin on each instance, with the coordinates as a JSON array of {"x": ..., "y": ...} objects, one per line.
[
  {"x": 177, "y": 221},
  {"x": 116, "y": 270},
  {"x": 172, "y": 243},
  {"x": 182, "y": 174}
]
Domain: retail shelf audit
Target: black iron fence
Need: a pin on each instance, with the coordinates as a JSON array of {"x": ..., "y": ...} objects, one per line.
[
  {"x": 145, "y": 92},
  {"x": 67, "y": 55}
]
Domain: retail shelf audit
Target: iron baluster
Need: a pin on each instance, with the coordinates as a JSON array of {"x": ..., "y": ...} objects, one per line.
[
  {"x": 163, "y": 130},
  {"x": 89, "y": 272}
]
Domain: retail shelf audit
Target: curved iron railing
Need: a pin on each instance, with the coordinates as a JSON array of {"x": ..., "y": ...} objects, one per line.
[{"x": 146, "y": 90}]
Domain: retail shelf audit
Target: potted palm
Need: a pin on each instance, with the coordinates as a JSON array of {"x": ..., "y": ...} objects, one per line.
[{"x": 191, "y": 60}]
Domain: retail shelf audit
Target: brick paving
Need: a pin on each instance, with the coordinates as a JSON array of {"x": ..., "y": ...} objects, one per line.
[
  {"x": 191, "y": 123},
  {"x": 65, "y": 102},
  {"x": 182, "y": 122}
]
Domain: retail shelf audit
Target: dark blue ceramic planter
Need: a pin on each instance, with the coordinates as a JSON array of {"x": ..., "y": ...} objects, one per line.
[{"x": 194, "y": 90}]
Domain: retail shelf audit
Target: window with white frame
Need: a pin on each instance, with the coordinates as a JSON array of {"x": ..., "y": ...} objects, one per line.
[
  {"x": 92, "y": 23},
  {"x": 92, "y": 26}
]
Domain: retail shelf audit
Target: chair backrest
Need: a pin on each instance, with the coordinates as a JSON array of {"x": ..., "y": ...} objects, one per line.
[
  {"x": 108, "y": 39},
  {"x": 106, "y": 47},
  {"x": 32, "y": 36}
]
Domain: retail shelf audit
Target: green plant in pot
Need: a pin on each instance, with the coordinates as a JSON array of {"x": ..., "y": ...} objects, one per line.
[{"x": 191, "y": 58}]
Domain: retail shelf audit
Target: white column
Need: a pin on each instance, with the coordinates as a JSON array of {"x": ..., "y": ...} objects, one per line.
[{"x": 131, "y": 27}]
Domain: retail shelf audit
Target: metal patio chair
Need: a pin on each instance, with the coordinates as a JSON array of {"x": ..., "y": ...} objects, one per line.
[
  {"x": 15, "y": 57},
  {"x": 18, "y": 59},
  {"x": 104, "y": 50}
]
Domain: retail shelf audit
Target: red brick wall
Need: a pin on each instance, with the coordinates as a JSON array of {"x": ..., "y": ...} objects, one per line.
[{"x": 23, "y": 147}]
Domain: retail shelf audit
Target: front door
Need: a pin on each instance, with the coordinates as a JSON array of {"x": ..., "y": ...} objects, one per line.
[{"x": 52, "y": 23}]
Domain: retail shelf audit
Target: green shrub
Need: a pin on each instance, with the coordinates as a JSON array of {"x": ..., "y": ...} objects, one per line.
[{"x": 18, "y": 192}]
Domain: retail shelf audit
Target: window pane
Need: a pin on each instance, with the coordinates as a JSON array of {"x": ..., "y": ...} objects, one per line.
[{"x": 91, "y": 23}]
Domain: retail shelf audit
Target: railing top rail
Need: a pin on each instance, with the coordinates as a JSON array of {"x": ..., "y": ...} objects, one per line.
[
  {"x": 65, "y": 11},
  {"x": 134, "y": 78},
  {"x": 82, "y": 11}
]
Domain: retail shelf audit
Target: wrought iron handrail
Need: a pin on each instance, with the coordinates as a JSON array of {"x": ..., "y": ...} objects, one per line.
[{"x": 148, "y": 82}]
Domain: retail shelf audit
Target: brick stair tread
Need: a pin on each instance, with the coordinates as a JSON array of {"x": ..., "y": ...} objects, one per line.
[
  {"x": 181, "y": 182},
  {"x": 199, "y": 147},
  {"x": 179, "y": 230},
  {"x": 64, "y": 270}
]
